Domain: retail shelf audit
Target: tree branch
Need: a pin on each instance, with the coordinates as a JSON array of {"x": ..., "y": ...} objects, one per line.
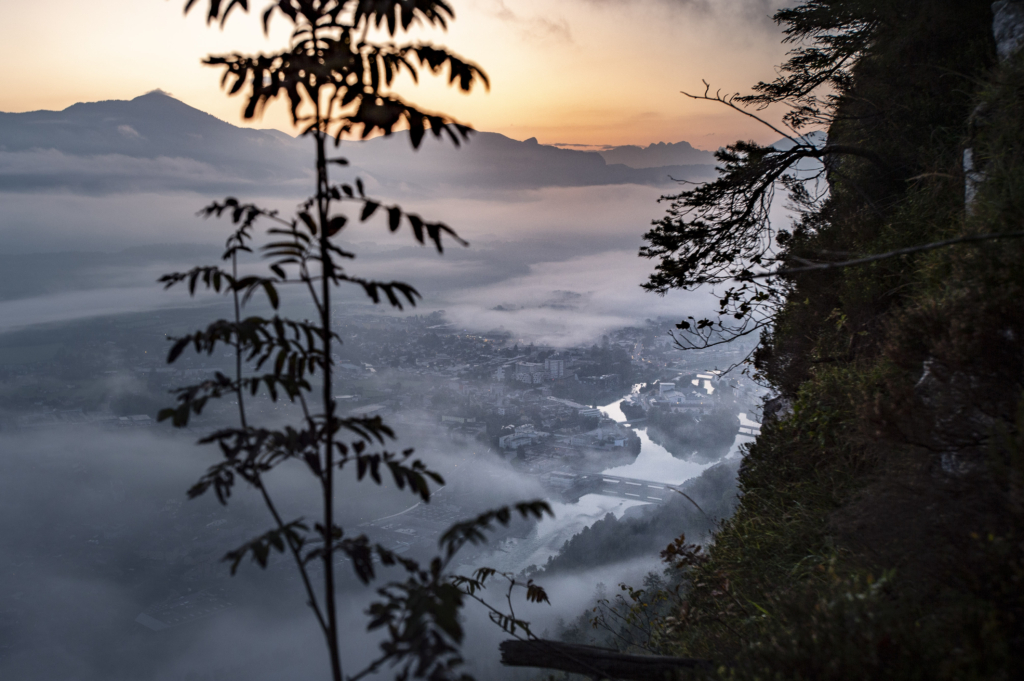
[{"x": 728, "y": 101}]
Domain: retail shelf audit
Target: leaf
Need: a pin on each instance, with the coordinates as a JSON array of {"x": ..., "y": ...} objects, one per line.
[
  {"x": 271, "y": 292},
  {"x": 359, "y": 552},
  {"x": 176, "y": 349},
  {"x": 536, "y": 594},
  {"x": 308, "y": 219},
  {"x": 260, "y": 547},
  {"x": 369, "y": 208},
  {"x": 335, "y": 225},
  {"x": 417, "y": 227}
]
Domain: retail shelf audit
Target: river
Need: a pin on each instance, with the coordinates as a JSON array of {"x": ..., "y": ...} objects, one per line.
[{"x": 653, "y": 463}]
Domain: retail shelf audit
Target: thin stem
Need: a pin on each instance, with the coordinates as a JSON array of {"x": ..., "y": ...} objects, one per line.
[
  {"x": 508, "y": 598},
  {"x": 736, "y": 334},
  {"x": 238, "y": 340},
  {"x": 242, "y": 418},
  {"x": 312, "y": 291},
  {"x": 327, "y": 271},
  {"x": 297, "y": 556}
]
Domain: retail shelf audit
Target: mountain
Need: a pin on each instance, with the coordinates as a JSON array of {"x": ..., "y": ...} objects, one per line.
[
  {"x": 495, "y": 162},
  {"x": 153, "y": 126},
  {"x": 658, "y": 155},
  {"x": 157, "y": 143}
]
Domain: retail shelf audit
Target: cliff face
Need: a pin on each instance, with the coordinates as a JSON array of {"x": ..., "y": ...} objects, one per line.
[{"x": 881, "y": 528}]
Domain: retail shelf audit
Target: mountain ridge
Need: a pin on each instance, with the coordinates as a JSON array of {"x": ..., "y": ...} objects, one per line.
[{"x": 155, "y": 127}]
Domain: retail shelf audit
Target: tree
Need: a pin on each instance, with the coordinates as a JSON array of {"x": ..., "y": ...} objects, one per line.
[
  {"x": 336, "y": 80},
  {"x": 720, "y": 233},
  {"x": 898, "y": 357}
]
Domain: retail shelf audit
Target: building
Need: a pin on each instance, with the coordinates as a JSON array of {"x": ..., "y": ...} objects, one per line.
[
  {"x": 522, "y": 437},
  {"x": 514, "y": 441},
  {"x": 529, "y": 372},
  {"x": 555, "y": 368}
]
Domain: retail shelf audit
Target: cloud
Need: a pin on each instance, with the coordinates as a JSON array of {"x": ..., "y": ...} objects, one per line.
[
  {"x": 534, "y": 28},
  {"x": 525, "y": 247},
  {"x": 95, "y": 527},
  {"x": 604, "y": 294},
  {"x": 751, "y": 13},
  {"x": 55, "y": 221},
  {"x": 129, "y": 132},
  {"x": 73, "y": 305}
]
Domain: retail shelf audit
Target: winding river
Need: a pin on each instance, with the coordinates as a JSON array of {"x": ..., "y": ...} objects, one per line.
[{"x": 653, "y": 463}]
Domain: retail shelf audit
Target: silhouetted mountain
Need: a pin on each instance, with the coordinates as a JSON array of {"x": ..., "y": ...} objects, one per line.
[
  {"x": 494, "y": 162},
  {"x": 813, "y": 137},
  {"x": 154, "y": 126},
  {"x": 658, "y": 155},
  {"x": 157, "y": 143}
]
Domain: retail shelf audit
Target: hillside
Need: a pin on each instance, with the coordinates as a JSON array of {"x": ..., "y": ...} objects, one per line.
[{"x": 880, "y": 531}]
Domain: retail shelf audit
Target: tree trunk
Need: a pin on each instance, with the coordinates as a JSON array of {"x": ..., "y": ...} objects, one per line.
[{"x": 598, "y": 663}]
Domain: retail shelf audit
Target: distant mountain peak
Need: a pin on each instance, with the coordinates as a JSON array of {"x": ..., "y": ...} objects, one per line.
[
  {"x": 177, "y": 146},
  {"x": 657, "y": 154}
]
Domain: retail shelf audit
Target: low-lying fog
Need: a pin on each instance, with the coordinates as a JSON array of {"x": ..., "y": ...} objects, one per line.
[
  {"x": 95, "y": 527},
  {"x": 557, "y": 265}
]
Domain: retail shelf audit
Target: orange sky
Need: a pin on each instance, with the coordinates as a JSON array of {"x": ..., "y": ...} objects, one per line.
[{"x": 573, "y": 71}]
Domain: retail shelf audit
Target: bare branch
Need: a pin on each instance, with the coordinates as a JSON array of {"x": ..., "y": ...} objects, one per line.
[{"x": 728, "y": 101}]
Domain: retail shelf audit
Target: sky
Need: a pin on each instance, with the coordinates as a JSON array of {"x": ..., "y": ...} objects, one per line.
[
  {"x": 573, "y": 72},
  {"x": 588, "y": 72}
]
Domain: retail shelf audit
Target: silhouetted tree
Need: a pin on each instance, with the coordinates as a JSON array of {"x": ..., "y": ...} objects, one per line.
[
  {"x": 336, "y": 81},
  {"x": 720, "y": 233}
]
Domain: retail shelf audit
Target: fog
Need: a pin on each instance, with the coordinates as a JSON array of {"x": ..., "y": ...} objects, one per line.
[
  {"x": 95, "y": 528},
  {"x": 92, "y": 528},
  {"x": 530, "y": 252},
  {"x": 97, "y": 538}
]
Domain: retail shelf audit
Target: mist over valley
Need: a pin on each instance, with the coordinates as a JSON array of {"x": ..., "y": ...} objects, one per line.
[{"x": 506, "y": 379}]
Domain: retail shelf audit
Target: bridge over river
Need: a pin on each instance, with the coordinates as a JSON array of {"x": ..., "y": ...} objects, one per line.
[{"x": 572, "y": 486}]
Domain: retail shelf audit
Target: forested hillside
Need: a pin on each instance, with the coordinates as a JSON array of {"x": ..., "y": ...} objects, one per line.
[{"x": 880, "y": 533}]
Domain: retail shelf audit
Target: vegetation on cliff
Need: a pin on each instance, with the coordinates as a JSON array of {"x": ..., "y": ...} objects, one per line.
[{"x": 880, "y": 532}]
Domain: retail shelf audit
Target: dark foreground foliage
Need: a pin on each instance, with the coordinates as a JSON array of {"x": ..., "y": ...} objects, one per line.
[
  {"x": 880, "y": 532},
  {"x": 336, "y": 80}
]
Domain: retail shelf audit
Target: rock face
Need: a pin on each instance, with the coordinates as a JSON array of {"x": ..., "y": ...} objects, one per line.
[
  {"x": 1008, "y": 30},
  {"x": 1008, "y": 27},
  {"x": 777, "y": 408}
]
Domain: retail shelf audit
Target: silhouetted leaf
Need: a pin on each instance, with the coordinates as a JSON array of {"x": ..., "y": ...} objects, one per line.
[{"x": 369, "y": 208}]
